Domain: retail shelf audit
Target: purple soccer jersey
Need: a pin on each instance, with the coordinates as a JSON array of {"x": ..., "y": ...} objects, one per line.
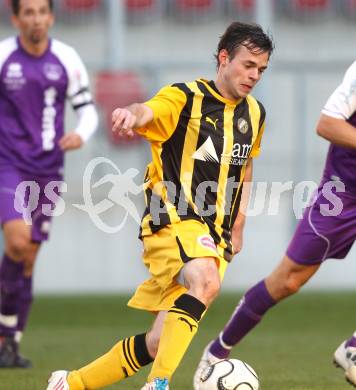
[
  {"x": 33, "y": 91},
  {"x": 33, "y": 94},
  {"x": 341, "y": 162},
  {"x": 328, "y": 227}
]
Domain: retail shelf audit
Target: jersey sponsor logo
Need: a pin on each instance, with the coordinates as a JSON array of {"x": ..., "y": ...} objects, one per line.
[
  {"x": 207, "y": 241},
  {"x": 238, "y": 155},
  {"x": 212, "y": 122},
  {"x": 207, "y": 152},
  {"x": 14, "y": 79},
  {"x": 14, "y": 70},
  {"x": 53, "y": 72},
  {"x": 49, "y": 119}
]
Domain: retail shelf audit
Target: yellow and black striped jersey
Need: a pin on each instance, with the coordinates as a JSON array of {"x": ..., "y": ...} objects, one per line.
[{"x": 200, "y": 145}]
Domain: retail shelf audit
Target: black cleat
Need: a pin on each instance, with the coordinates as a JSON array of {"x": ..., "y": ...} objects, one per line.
[
  {"x": 22, "y": 362},
  {"x": 9, "y": 357},
  {"x": 8, "y": 352}
]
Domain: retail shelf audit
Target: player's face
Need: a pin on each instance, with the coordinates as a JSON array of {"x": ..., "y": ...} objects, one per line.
[
  {"x": 34, "y": 20},
  {"x": 240, "y": 74}
]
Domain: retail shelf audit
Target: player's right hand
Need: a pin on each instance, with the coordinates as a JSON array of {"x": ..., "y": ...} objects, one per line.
[{"x": 123, "y": 122}]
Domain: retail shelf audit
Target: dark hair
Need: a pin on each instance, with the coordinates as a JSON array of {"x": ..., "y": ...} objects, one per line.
[
  {"x": 15, "y": 6},
  {"x": 240, "y": 34}
]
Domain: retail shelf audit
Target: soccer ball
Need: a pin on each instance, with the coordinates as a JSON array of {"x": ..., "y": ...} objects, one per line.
[{"x": 229, "y": 374}]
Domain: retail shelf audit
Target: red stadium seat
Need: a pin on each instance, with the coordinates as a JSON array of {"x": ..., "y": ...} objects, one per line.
[
  {"x": 348, "y": 8},
  {"x": 135, "y": 5},
  {"x": 5, "y": 11},
  {"x": 311, "y": 5},
  {"x": 186, "y": 9},
  {"x": 244, "y": 5},
  {"x": 243, "y": 9},
  {"x": 194, "y": 4},
  {"x": 81, "y": 5},
  {"x": 117, "y": 89},
  {"x": 143, "y": 10},
  {"x": 306, "y": 10}
]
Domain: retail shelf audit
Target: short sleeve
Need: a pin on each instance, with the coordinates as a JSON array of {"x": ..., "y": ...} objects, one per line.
[
  {"x": 167, "y": 106},
  {"x": 342, "y": 103},
  {"x": 256, "y": 148}
]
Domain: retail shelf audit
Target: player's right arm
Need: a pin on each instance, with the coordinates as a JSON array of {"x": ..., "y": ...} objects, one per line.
[
  {"x": 126, "y": 120},
  {"x": 333, "y": 124},
  {"x": 156, "y": 119}
]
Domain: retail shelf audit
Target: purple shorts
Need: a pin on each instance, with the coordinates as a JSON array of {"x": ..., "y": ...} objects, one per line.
[
  {"x": 328, "y": 227},
  {"x": 19, "y": 200}
]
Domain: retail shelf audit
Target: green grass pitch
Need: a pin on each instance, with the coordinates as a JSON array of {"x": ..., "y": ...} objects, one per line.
[{"x": 291, "y": 349}]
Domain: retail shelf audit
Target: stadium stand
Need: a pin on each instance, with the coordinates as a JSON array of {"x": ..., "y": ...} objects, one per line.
[
  {"x": 243, "y": 10},
  {"x": 78, "y": 11},
  {"x": 4, "y": 11},
  {"x": 80, "y": 5},
  {"x": 347, "y": 8},
  {"x": 117, "y": 89},
  {"x": 191, "y": 10},
  {"x": 308, "y": 10},
  {"x": 140, "y": 11}
]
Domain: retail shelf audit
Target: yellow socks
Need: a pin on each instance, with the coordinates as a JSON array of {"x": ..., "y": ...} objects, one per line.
[
  {"x": 123, "y": 360},
  {"x": 129, "y": 355},
  {"x": 179, "y": 328}
]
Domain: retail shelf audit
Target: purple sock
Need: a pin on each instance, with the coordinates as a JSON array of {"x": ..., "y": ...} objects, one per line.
[
  {"x": 25, "y": 304},
  {"x": 246, "y": 316},
  {"x": 11, "y": 284},
  {"x": 352, "y": 341}
]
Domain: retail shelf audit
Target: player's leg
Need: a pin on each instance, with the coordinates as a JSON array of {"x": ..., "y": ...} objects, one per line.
[
  {"x": 122, "y": 361},
  {"x": 160, "y": 294},
  {"x": 17, "y": 239},
  {"x": 181, "y": 323},
  {"x": 26, "y": 297},
  {"x": 284, "y": 281},
  {"x": 345, "y": 358}
]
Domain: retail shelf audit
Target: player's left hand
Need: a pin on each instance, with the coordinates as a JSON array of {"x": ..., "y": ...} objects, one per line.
[{"x": 70, "y": 141}]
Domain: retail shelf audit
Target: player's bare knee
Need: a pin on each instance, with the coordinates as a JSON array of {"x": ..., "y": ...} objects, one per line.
[
  {"x": 207, "y": 286},
  {"x": 291, "y": 284}
]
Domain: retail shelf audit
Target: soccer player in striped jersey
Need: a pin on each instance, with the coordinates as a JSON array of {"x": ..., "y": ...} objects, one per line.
[
  {"x": 204, "y": 136},
  {"x": 37, "y": 76},
  {"x": 327, "y": 230}
]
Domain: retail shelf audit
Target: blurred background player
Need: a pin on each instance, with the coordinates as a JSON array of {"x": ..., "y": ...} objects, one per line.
[
  {"x": 204, "y": 135},
  {"x": 37, "y": 75},
  {"x": 327, "y": 230}
]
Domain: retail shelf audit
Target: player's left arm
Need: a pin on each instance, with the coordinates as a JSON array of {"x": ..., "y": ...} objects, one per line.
[
  {"x": 239, "y": 224},
  {"x": 81, "y": 99},
  {"x": 341, "y": 105},
  {"x": 336, "y": 131}
]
